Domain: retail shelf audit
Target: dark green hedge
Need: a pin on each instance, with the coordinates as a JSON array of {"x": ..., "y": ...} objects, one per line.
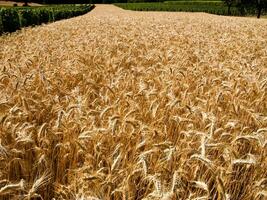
[
  {"x": 12, "y": 19},
  {"x": 29, "y": 18}
]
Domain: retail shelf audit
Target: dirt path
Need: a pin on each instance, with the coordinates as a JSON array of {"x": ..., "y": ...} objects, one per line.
[{"x": 119, "y": 104}]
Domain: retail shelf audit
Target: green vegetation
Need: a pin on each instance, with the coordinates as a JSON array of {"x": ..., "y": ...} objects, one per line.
[
  {"x": 215, "y": 9},
  {"x": 14, "y": 18},
  {"x": 10, "y": 20},
  {"x": 260, "y": 6}
]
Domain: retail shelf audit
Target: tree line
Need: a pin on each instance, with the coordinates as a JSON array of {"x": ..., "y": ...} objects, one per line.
[{"x": 257, "y": 5}]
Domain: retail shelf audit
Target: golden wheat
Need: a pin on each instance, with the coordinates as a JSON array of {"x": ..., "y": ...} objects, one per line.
[{"x": 135, "y": 105}]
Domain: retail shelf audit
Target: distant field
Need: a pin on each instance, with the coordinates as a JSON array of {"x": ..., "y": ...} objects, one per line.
[
  {"x": 216, "y": 8},
  {"x": 212, "y": 7}
]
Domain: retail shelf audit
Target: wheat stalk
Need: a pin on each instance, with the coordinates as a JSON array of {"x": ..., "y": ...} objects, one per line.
[{"x": 134, "y": 105}]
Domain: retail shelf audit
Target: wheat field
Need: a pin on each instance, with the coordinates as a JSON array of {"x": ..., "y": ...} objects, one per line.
[{"x": 135, "y": 105}]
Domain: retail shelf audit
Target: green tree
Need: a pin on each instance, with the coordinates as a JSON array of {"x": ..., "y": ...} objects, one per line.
[
  {"x": 229, "y": 4},
  {"x": 260, "y": 5},
  {"x": 257, "y": 5}
]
